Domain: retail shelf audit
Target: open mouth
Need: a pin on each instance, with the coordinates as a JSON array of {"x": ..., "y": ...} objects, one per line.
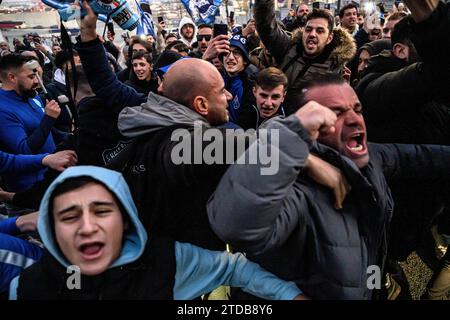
[
  {"x": 91, "y": 250},
  {"x": 267, "y": 109},
  {"x": 311, "y": 43},
  {"x": 356, "y": 144}
]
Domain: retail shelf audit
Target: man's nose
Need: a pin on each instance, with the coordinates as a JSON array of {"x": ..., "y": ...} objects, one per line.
[
  {"x": 88, "y": 224},
  {"x": 228, "y": 95},
  {"x": 352, "y": 118}
]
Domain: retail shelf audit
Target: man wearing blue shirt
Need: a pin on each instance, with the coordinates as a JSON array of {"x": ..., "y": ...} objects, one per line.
[{"x": 25, "y": 124}]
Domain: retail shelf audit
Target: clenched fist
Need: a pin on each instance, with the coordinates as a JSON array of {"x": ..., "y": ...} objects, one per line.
[
  {"x": 316, "y": 119},
  {"x": 52, "y": 109}
]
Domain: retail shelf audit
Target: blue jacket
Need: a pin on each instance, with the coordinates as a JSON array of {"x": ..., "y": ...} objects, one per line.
[
  {"x": 240, "y": 87},
  {"x": 198, "y": 271},
  {"x": 24, "y": 129},
  {"x": 15, "y": 254},
  {"x": 20, "y": 163}
]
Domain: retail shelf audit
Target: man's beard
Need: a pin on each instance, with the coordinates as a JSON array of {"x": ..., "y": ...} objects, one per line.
[
  {"x": 301, "y": 20},
  {"x": 27, "y": 93},
  {"x": 413, "y": 55}
]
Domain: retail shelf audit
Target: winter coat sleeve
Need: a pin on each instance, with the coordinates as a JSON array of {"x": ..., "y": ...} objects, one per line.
[
  {"x": 426, "y": 165},
  {"x": 11, "y": 163},
  {"x": 8, "y": 226},
  {"x": 274, "y": 38},
  {"x": 17, "y": 254},
  {"x": 200, "y": 271},
  {"x": 103, "y": 80},
  {"x": 265, "y": 207}
]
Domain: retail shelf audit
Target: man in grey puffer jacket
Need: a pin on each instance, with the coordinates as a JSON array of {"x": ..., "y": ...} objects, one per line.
[{"x": 289, "y": 223}]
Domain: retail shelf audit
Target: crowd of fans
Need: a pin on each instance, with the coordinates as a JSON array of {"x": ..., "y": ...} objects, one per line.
[{"x": 355, "y": 107}]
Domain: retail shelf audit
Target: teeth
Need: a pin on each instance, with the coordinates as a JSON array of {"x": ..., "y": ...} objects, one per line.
[{"x": 358, "y": 148}]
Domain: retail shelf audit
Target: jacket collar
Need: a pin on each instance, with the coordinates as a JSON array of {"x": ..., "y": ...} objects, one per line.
[{"x": 358, "y": 178}]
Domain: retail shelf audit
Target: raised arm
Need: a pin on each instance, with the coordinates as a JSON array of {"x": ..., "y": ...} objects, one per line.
[
  {"x": 274, "y": 38},
  {"x": 102, "y": 79}
]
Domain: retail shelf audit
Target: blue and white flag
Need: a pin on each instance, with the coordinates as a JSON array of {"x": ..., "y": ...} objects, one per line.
[
  {"x": 145, "y": 25},
  {"x": 202, "y": 11}
]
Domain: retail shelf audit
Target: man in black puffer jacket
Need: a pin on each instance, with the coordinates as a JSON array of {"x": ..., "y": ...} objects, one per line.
[
  {"x": 291, "y": 225},
  {"x": 406, "y": 100}
]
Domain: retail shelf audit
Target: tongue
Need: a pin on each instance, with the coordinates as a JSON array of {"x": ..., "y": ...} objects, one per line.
[
  {"x": 92, "y": 249},
  {"x": 352, "y": 143}
]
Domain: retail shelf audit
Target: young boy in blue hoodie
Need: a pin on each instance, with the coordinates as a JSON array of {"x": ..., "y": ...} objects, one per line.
[{"x": 88, "y": 219}]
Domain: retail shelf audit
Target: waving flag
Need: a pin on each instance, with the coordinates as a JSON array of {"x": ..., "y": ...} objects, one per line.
[
  {"x": 145, "y": 25},
  {"x": 202, "y": 11},
  {"x": 65, "y": 5}
]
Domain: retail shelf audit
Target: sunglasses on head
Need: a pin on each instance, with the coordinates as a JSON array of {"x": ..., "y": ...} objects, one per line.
[{"x": 200, "y": 37}]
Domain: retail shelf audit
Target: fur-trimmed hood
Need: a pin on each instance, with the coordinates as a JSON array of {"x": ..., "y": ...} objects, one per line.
[{"x": 343, "y": 45}]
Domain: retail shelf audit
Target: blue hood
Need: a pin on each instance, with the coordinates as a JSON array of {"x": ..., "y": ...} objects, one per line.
[{"x": 135, "y": 237}]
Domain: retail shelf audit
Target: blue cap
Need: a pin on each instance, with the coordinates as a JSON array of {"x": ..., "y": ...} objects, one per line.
[{"x": 240, "y": 42}]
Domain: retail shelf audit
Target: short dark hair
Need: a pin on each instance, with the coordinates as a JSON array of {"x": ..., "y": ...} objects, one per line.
[
  {"x": 203, "y": 26},
  {"x": 402, "y": 31},
  {"x": 322, "y": 13},
  {"x": 318, "y": 80},
  {"x": 170, "y": 35},
  {"x": 11, "y": 62},
  {"x": 181, "y": 47},
  {"x": 134, "y": 40},
  {"x": 171, "y": 45},
  {"x": 147, "y": 56},
  {"x": 345, "y": 8},
  {"x": 270, "y": 78},
  {"x": 75, "y": 183}
]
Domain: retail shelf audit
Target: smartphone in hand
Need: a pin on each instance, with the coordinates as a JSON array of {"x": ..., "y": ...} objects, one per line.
[{"x": 219, "y": 28}]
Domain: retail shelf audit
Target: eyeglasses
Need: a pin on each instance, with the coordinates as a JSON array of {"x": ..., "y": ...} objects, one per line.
[
  {"x": 200, "y": 37},
  {"x": 236, "y": 53}
]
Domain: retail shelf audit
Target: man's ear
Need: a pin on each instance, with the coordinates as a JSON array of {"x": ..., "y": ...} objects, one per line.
[
  {"x": 400, "y": 51},
  {"x": 200, "y": 105},
  {"x": 284, "y": 96},
  {"x": 11, "y": 77},
  {"x": 254, "y": 91},
  {"x": 330, "y": 37}
]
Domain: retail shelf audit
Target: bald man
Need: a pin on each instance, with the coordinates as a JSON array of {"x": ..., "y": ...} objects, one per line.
[
  {"x": 172, "y": 195},
  {"x": 164, "y": 161}
]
